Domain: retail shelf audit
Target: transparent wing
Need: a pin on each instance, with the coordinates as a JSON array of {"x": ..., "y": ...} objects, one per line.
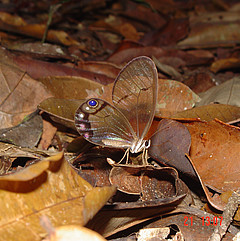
[
  {"x": 135, "y": 94},
  {"x": 102, "y": 124}
]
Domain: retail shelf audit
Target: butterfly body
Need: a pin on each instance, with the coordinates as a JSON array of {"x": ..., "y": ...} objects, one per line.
[{"x": 125, "y": 124}]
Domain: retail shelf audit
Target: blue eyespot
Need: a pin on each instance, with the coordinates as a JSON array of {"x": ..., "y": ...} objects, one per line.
[{"x": 92, "y": 103}]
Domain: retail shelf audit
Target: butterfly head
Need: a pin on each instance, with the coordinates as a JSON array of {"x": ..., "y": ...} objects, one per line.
[{"x": 140, "y": 145}]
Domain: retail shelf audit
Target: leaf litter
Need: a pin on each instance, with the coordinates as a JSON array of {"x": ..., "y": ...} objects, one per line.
[{"x": 193, "y": 158}]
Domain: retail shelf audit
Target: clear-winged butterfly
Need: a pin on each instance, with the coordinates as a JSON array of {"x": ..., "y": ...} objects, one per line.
[{"x": 125, "y": 124}]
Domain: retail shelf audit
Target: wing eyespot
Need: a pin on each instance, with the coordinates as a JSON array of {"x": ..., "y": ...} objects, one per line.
[{"x": 92, "y": 103}]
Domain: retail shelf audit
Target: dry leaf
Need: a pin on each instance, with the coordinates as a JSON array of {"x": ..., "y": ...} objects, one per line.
[
  {"x": 105, "y": 68},
  {"x": 148, "y": 234},
  {"x": 37, "y": 49},
  {"x": 109, "y": 221},
  {"x": 48, "y": 133},
  {"x": 173, "y": 97},
  {"x": 213, "y": 30},
  {"x": 199, "y": 80},
  {"x": 221, "y": 64},
  {"x": 61, "y": 110},
  {"x": 10, "y": 150},
  {"x": 93, "y": 167},
  {"x": 19, "y": 95},
  {"x": 169, "y": 35},
  {"x": 52, "y": 188},
  {"x": 156, "y": 185},
  {"x": 16, "y": 24},
  {"x": 72, "y": 87},
  {"x": 41, "y": 69},
  {"x": 135, "y": 12},
  {"x": 222, "y": 112},
  {"x": 26, "y": 134},
  {"x": 125, "y": 55},
  {"x": 116, "y": 25},
  {"x": 167, "y": 69},
  {"x": 74, "y": 233},
  {"x": 226, "y": 93},
  {"x": 169, "y": 145},
  {"x": 215, "y": 153}
]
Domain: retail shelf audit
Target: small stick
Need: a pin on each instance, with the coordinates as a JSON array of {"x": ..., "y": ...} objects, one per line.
[
  {"x": 52, "y": 10},
  {"x": 228, "y": 214}
]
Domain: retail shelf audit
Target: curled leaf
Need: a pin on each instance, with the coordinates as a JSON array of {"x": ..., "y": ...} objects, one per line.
[{"x": 50, "y": 187}]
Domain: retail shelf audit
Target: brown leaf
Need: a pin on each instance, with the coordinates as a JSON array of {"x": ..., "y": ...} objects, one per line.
[
  {"x": 226, "y": 93},
  {"x": 72, "y": 87},
  {"x": 5, "y": 164},
  {"x": 52, "y": 188},
  {"x": 91, "y": 164},
  {"x": 113, "y": 219},
  {"x": 105, "y": 68},
  {"x": 109, "y": 221},
  {"x": 61, "y": 110},
  {"x": 117, "y": 25},
  {"x": 41, "y": 69},
  {"x": 214, "y": 201},
  {"x": 74, "y": 232},
  {"x": 225, "y": 197},
  {"x": 160, "y": 233},
  {"x": 165, "y": 6},
  {"x": 154, "y": 184},
  {"x": 157, "y": 184},
  {"x": 127, "y": 179},
  {"x": 48, "y": 133},
  {"x": 26, "y": 134},
  {"x": 215, "y": 153},
  {"x": 144, "y": 16},
  {"x": 16, "y": 24},
  {"x": 199, "y": 80},
  {"x": 167, "y": 69},
  {"x": 38, "y": 49},
  {"x": 12, "y": 151},
  {"x": 222, "y": 64},
  {"x": 222, "y": 112},
  {"x": 213, "y": 30},
  {"x": 79, "y": 144},
  {"x": 173, "y": 31},
  {"x": 60, "y": 107},
  {"x": 125, "y": 55},
  {"x": 173, "y": 97},
  {"x": 19, "y": 95},
  {"x": 129, "y": 32},
  {"x": 157, "y": 233},
  {"x": 169, "y": 145},
  {"x": 95, "y": 200}
]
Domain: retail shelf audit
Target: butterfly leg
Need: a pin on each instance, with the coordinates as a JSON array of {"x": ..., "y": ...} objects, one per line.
[{"x": 125, "y": 154}]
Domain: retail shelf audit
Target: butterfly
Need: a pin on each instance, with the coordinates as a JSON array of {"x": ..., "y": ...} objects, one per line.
[{"x": 125, "y": 123}]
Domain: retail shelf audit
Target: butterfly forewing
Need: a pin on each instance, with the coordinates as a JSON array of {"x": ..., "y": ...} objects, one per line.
[
  {"x": 135, "y": 93},
  {"x": 102, "y": 124}
]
